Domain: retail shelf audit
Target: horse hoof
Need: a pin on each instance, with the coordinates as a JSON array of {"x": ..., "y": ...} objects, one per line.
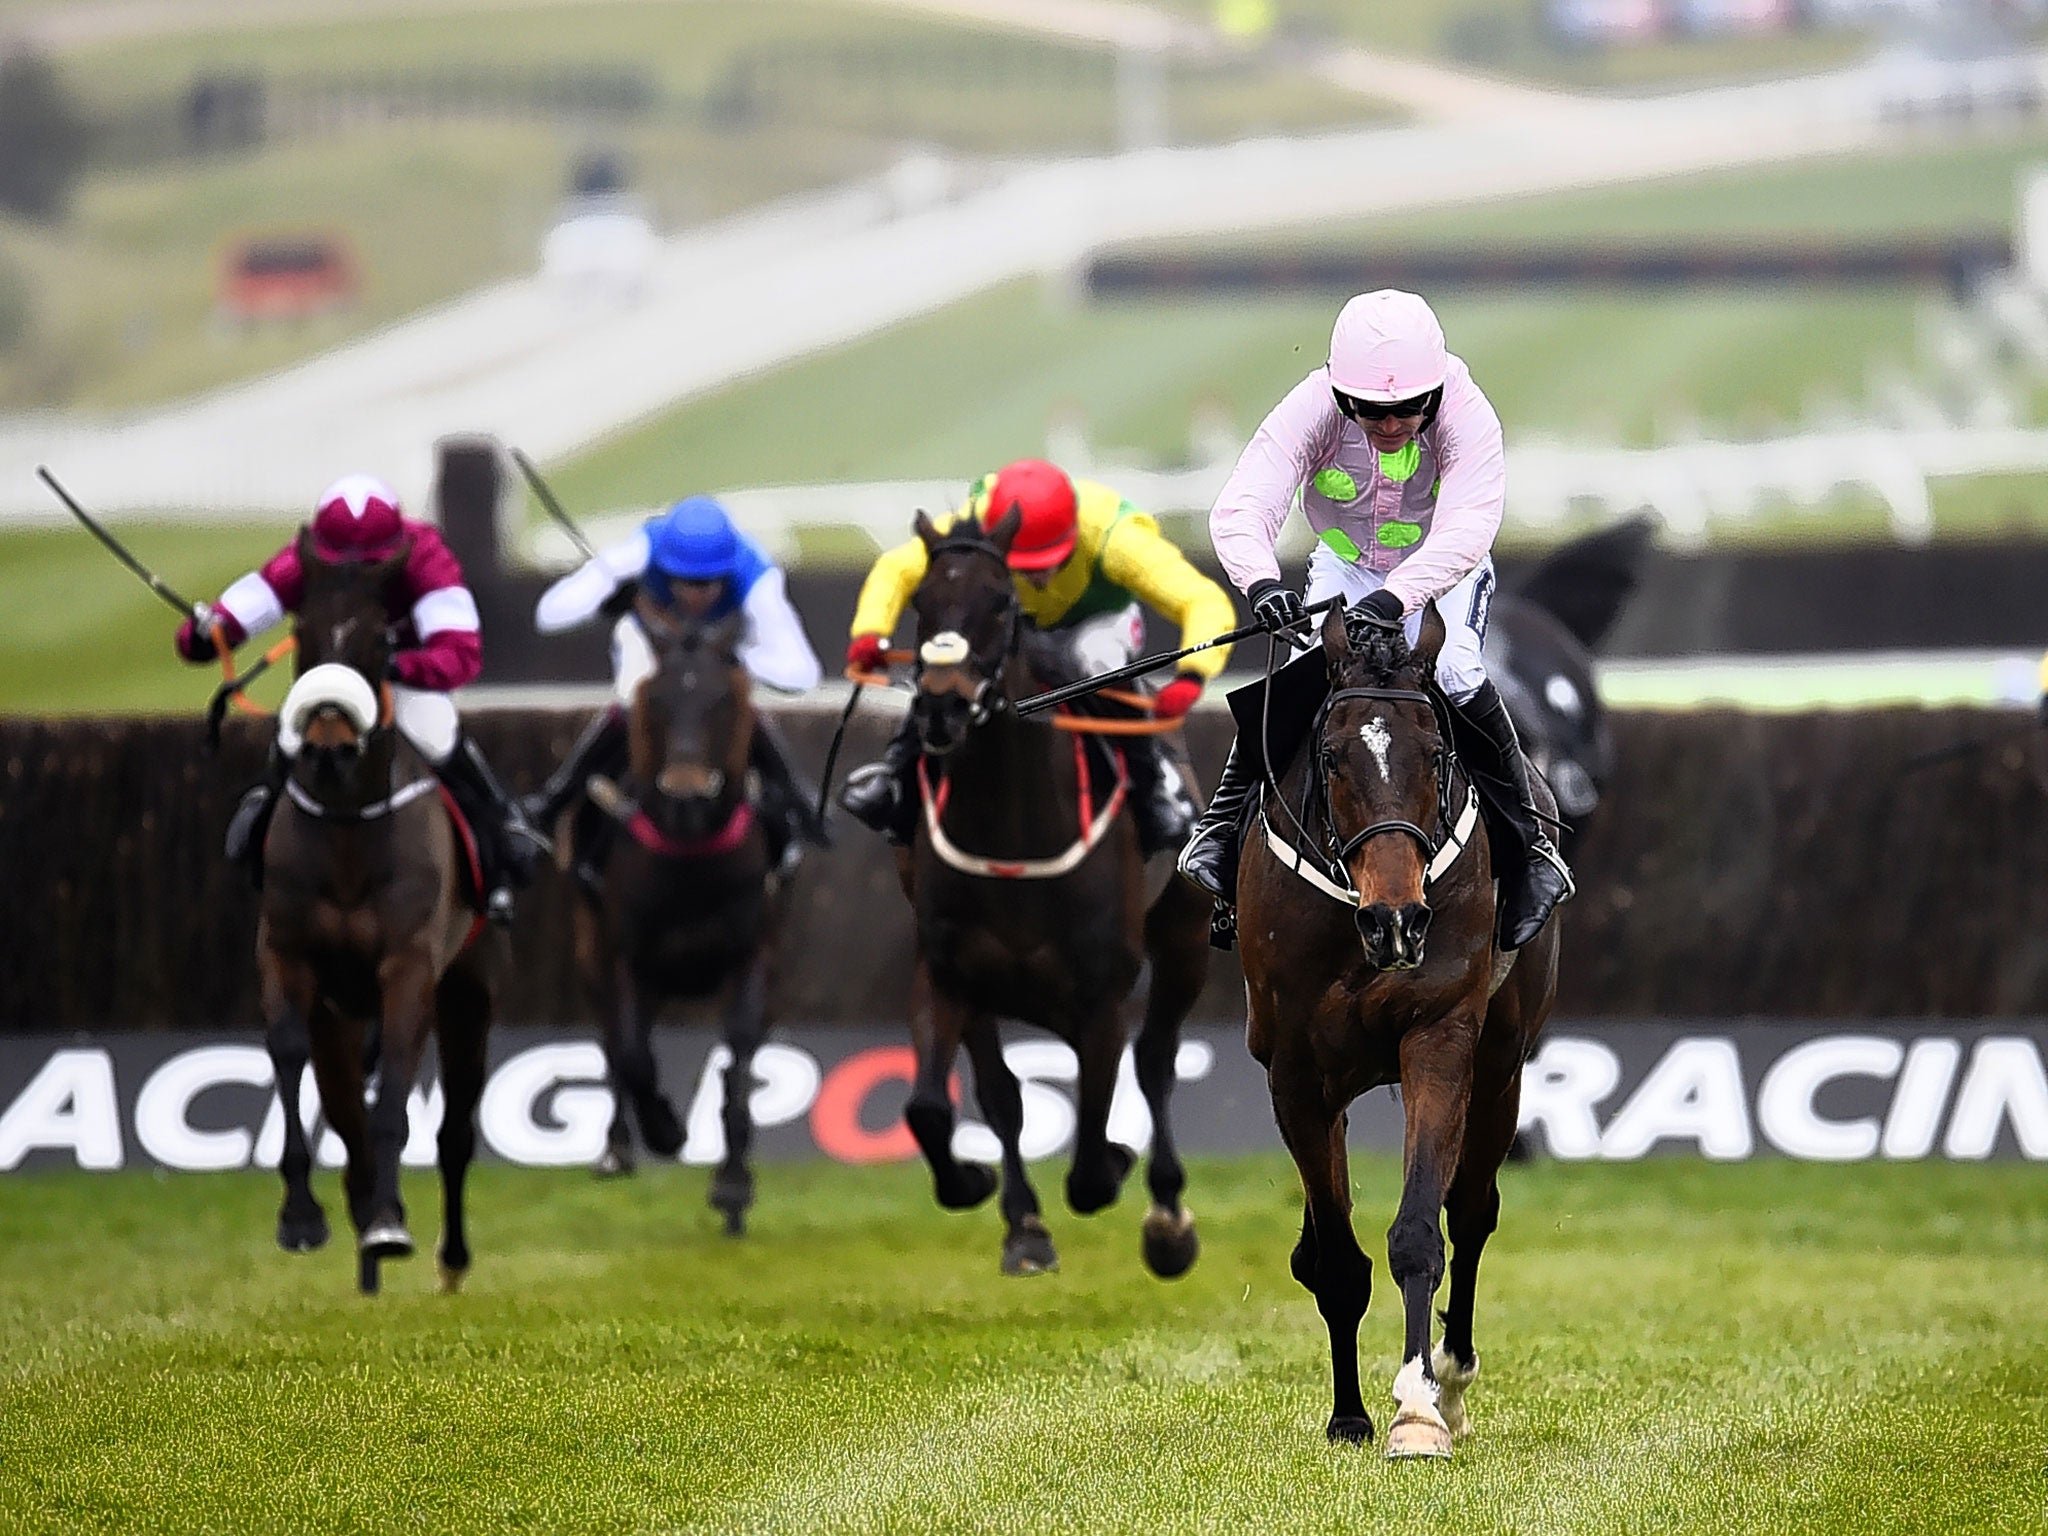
[
  {"x": 970, "y": 1184},
  {"x": 452, "y": 1278},
  {"x": 660, "y": 1128},
  {"x": 1418, "y": 1433},
  {"x": 302, "y": 1233},
  {"x": 385, "y": 1240},
  {"x": 616, "y": 1163},
  {"x": 1169, "y": 1241},
  {"x": 1346, "y": 1429},
  {"x": 1454, "y": 1378},
  {"x": 1028, "y": 1250}
]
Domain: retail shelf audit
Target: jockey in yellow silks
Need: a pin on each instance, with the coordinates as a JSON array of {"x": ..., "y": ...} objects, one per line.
[{"x": 1086, "y": 562}]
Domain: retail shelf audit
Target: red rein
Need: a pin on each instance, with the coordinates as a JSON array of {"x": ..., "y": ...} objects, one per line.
[{"x": 724, "y": 840}]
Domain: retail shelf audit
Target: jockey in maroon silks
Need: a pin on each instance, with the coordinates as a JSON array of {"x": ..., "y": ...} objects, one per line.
[{"x": 439, "y": 648}]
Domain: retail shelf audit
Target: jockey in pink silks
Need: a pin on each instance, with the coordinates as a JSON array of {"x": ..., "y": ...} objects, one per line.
[
  {"x": 1395, "y": 457},
  {"x": 439, "y": 649}
]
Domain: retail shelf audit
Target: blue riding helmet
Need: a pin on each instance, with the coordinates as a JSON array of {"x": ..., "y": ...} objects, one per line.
[{"x": 695, "y": 541}]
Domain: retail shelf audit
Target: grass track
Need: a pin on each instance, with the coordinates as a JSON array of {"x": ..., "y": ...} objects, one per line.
[{"x": 1672, "y": 1347}]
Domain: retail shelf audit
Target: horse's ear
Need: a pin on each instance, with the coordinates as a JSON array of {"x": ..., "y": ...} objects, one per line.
[
  {"x": 657, "y": 624},
  {"x": 1430, "y": 641},
  {"x": 1336, "y": 639},
  {"x": 1004, "y": 533},
  {"x": 725, "y": 636},
  {"x": 925, "y": 531},
  {"x": 308, "y": 555},
  {"x": 392, "y": 564}
]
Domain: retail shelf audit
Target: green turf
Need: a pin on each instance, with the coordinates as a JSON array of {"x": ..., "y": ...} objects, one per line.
[
  {"x": 1674, "y": 1347},
  {"x": 1622, "y": 369},
  {"x": 80, "y": 636}
]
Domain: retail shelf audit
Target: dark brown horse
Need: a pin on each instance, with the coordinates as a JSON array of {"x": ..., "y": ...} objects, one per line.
[
  {"x": 1375, "y": 964},
  {"x": 686, "y": 906},
  {"x": 367, "y": 941},
  {"x": 1031, "y": 903}
]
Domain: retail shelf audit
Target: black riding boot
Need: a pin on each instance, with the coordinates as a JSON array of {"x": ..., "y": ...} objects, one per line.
[
  {"x": 883, "y": 794},
  {"x": 507, "y": 841},
  {"x": 251, "y": 820},
  {"x": 600, "y": 749},
  {"x": 1210, "y": 858},
  {"x": 1160, "y": 803},
  {"x": 1533, "y": 875},
  {"x": 788, "y": 802}
]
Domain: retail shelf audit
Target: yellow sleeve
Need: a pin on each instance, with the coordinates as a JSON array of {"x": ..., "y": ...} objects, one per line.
[
  {"x": 888, "y": 588},
  {"x": 2044, "y": 674},
  {"x": 1145, "y": 563}
]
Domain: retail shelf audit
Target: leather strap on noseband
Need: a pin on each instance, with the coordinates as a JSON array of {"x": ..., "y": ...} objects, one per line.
[
  {"x": 1431, "y": 845},
  {"x": 988, "y": 698}
]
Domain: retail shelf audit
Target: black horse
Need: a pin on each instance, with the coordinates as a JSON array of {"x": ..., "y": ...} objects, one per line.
[
  {"x": 1539, "y": 652},
  {"x": 687, "y": 906}
]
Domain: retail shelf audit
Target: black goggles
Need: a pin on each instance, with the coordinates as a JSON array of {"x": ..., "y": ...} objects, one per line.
[{"x": 1383, "y": 410}]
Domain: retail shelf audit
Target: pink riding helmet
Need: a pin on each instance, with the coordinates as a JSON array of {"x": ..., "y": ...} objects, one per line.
[
  {"x": 357, "y": 518},
  {"x": 1387, "y": 346}
]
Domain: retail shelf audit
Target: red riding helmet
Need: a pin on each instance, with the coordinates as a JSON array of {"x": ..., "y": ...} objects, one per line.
[
  {"x": 1046, "y": 497},
  {"x": 357, "y": 518}
]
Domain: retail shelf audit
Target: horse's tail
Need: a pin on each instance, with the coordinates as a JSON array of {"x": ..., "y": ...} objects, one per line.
[{"x": 1585, "y": 583}]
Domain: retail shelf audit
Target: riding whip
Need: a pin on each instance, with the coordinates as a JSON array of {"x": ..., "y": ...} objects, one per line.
[
  {"x": 1040, "y": 702},
  {"x": 554, "y": 507},
  {"x": 118, "y": 550}
]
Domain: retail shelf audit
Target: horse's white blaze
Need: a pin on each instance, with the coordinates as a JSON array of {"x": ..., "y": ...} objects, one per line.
[
  {"x": 947, "y": 649},
  {"x": 1377, "y": 739}
]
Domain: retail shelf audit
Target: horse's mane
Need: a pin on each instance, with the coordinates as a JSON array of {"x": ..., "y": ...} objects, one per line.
[{"x": 1379, "y": 650}]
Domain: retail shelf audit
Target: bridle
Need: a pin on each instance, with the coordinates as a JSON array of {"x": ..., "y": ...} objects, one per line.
[
  {"x": 1432, "y": 844},
  {"x": 1441, "y": 850},
  {"x": 988, "y": 697}
]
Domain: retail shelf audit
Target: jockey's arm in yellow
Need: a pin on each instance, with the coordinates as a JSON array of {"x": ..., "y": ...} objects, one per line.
[{"x": 1083, "y": 560}]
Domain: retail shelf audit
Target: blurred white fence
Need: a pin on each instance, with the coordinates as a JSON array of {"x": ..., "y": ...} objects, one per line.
[{"x": 1691, "y": 486}]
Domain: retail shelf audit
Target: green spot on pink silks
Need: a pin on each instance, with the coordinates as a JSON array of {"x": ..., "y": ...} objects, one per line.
[
  {"x": 1342, "y": 544},
  {"x": 1397, "y": 467},
  {"x": 1336, "y": 484},
  {"x": 1398, "y": 535}
]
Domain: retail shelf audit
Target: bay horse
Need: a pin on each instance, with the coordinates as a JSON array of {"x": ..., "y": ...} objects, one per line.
[
  {"x": 1376, "y": 964},
  {"x": 686, "y": 905},
  {"x": 1030, "y": 902},
  {"x": 367, "y": 939}
]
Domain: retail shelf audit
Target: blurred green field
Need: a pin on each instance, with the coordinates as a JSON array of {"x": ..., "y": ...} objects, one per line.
[
  {"x": 1618, "y": 369},
  {"x": 122, "y": 296},
  {"x": 1671, "y": 1346}
]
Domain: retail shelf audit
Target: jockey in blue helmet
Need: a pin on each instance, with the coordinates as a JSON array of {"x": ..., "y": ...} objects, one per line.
[{"x": 693, "y": 559}]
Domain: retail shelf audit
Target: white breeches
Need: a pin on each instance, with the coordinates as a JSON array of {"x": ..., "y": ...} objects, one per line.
[
  {"x": 427, "y": 720},
  {"x": 1464, "y": 610},
  {"x": 1107, "y": 641},
  {"x": 632, "y": 659}
]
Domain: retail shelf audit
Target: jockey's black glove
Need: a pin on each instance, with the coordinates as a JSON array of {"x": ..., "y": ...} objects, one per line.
[
  {"x": 1276, "y": 606},
  {"x": 1381, "y": 605},
  {"x": 2044, "y": 708}
]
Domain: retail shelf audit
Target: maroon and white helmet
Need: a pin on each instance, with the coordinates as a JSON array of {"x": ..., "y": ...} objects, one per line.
[{"x": 357, "y": 518}]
